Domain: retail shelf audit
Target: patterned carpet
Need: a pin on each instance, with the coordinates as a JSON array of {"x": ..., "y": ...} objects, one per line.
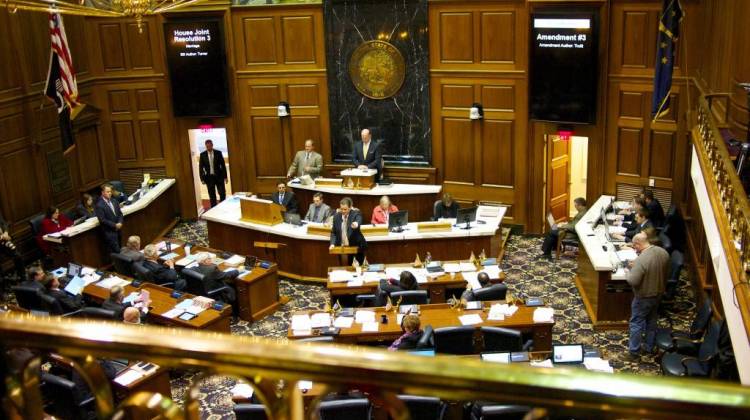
[{"x": 551, "y": 280}]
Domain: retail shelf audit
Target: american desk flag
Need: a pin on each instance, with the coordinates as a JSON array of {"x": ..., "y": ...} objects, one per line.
[
  {"x": 669, "y": 31},
  {"x": 61, "y": 85}
]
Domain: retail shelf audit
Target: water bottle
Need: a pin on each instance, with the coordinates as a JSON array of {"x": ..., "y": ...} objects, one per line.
[{"x": 427, "y": 259}]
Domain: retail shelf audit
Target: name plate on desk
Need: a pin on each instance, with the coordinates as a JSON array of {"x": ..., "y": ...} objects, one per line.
[
  {"x": 327, "y": 182},
  {"x": 434, "y": 227},
  {"x": 321, "y": 230},
  {"x": 343, "y": 250},
  {"x": 369, "y": 231}
]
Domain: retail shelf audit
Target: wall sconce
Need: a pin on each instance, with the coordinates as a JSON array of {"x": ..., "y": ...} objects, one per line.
[
  {"x": 476, "y": 112},
  {"x": 283, "y": 109}
]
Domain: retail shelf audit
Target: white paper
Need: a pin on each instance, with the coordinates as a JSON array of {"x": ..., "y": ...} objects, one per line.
[
  {"x": 355, "y": 283},
  {"x": 394, "y": 272},
  {"x": 301, "y": 322},
  {"x": 304, "y": 385},
  {"x": 451, "y": 268},
  {"x": 111, "y": 282},
  {"x": 372, "y": 277},
  {"x": 597, "y": 364},
  {"x": 467, "y": 266},
  {"x": 362, "y": 317},
  {"x": 85, "y": 271},
  {"x": 235, "y": 260},
  {"x": 128, "y": 377},
  {"x": 544, "y": 315},
  {"x": 173, "y": 313},
  {"x": 399, "y": 318},
  {"x": 493, "y": 271},
  {"x": 185, "y": 304},
  {"x": 627, "y": 255},
  {"x": 370, "y": 327},
  {"x": 169, "y": 256},
  {"x": 183, "y": 261},
  {"x": 545, "y": 363},
  {"x": 472, "y": 279},
  {"x": 297, "y": 333},
  {"x": 195, "y": 309},
  {"x": 340, "y": 276},
  {"x": 343, "y": 322},
  {"x": 320, "y": 320},
  {"x": 242, "y": 390},
  {"x": 617, "y": 229},
  {"x": 470, "y": 319},
  {"x": 496, "y": 357}
]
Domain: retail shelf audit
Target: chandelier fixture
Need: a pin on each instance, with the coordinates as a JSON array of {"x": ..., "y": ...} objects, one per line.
[{"x": 103, "y": 8}]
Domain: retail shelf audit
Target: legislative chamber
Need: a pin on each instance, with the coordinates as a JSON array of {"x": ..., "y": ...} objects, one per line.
[{"x": 374, "y": 209}]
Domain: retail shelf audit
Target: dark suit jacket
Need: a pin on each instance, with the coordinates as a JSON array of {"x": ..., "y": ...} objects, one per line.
[
  {"x": 220, "y": 171},
  {"x": 119, "y": 308},
  {"x": 443, "y": 212},
  {"x": 213, "y": 278},
  {"x": 636, "y": 229},
  {"x": 69, "y": 303},
  {"x": 385, "y": 288},
  {"x": 655, "y": 212},
  {"x": 107, "y": 219},
  {"x": 373, "y": 158},
  {"x": 290, "y": 201},
  {"x": 160, "y": 273},
  {"x": 32, "y": 283},
  {"x": 355, "y": 235}
]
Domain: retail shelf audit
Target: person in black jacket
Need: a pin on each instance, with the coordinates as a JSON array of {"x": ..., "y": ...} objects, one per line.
[
  {"x": 213, "y": 278},
  {"x": 114, "y": 302},
  {"x": 34, "y": 277},
  {"x": 410, "y": 325},
  {"x": 110, "y": 218},
  {"x": 285, "y": 198},
  {"x": 406, "y": 281},
  {"x": 161, "y": 273},
  {"x": 213, "y": 172},
  {"x": 655, "y": 210},
  {"x": 446, "y": 208},
  {"x": 345, "y": 229},
  {"x": 68, "y": 302},
  {"x": 8, "y": 249}
]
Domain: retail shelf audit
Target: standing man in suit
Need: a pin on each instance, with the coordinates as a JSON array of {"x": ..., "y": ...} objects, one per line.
[
  {"x": 368, "y": 154},
  {"x": 345, "y": 229},
  {"x": 110, "y": 218},
  {"x": 213, "y": 172},
  {"x": 655, "y": 210},
  {"x": 285, "y": 198},
  {"x": 306, "y": 162},
  {"x": 319, "y": 212},
  {"x": 68, "y": 302}
]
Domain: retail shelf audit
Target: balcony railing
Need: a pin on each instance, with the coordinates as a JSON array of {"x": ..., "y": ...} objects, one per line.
[{"x": 267, "y": 363}]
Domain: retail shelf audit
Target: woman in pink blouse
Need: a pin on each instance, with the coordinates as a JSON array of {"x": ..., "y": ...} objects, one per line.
[{"x": 381, "y": 212}]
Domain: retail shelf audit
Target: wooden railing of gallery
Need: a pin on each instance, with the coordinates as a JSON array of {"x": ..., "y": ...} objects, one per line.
[
  {"x": 728, "y": 200},
  {"x": 274, "y": 367}
]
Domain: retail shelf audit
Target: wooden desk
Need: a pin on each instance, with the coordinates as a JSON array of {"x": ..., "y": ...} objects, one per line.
[
  {"x": 604, "y": 290},
  {"x": 156, "y": 381},
  {"x": 257, "y": 292},
  {"x": 162, "y": 301},
  {"x": 150, "y": 217},
  {"x": 436, "y": 287},
  {"x": 438, "y": 316}
]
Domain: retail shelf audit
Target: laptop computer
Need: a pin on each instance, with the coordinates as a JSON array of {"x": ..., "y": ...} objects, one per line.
[
  {"x": 551, "y": 221},
  {"x": 292, "y": 219},
  {"x": 567, "y": 354}
]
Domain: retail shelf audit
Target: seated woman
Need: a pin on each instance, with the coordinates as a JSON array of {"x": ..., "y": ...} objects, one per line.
[
  {"x": 412, "y": 333},
  {"x": 86, "y": 207},
  {"x": 53, "y": 221},
  {"x": 380, "y": 212},
  {"x": 406, "y": 281},
  {"x": 446, "y": 208}
]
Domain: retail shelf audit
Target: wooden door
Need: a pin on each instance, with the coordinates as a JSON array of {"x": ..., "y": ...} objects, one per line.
[{"x": 558, "y": 177}]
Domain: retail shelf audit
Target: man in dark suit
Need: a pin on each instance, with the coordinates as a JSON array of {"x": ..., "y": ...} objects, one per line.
[
  {"x": 642, "y": 221},
  {"x": 368, "y": 154},
  {"x": 161, "y": 273},
  {"x": 8, "y": 249},
  {"x": 285, "y": 198},
  {"x": 345, "y": 229},
  {"x": 213, "y": 278},
  {"x": 213, "y": 172},
  {"x": 34, "y": 277},
  {"x": 110, "y": 218},
  {"x": 68, "y": 302},
  {"x": 655, "y": 210},
  {"x": 406, "y": 281}
]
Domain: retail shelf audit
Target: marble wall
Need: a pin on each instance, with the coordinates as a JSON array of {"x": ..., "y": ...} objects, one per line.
[{"x": 403, "y": 120}]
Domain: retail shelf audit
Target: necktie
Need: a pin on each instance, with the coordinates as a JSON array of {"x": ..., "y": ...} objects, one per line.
[
  {"x": 211, "y": 162},
  {"x": 365, "y": 148},
  {"x": 344, "y": 232},
  {"x": 281, "y": 198},
  {"x": 315, "y": 214},
  {"x": 111, "y": 207}
]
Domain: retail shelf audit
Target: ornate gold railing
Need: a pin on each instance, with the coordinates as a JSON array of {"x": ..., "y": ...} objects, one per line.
[
  {"x": 729, "y": 200},
  {"x": 266, "y": 363}
]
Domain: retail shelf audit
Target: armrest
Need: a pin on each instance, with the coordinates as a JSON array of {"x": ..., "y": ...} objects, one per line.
[
  {"x": 87, "y": 401},
  {"x": 686, "y": 346},
  {"x": 71, "y": 313},
  {"x": 213, "y": 292},
  {"x": 528, "y": 345},
  {"x": 169, "y": 284},
  {"x": 366, "y": 300}
]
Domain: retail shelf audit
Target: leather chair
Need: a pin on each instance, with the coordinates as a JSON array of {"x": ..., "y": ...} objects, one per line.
[
  {"x": 491, "y": 411},
  {"x": 353, "y": 409},
  {"x": 318, "y": 339},
  {"x": 435, "y": 209},
  {"x": 29, "y": 298},
  {"x": 118, "y": 185},
  {"x": 52, "y": 305},
  {"x": 424, "y": 408},
  {"x": 93, "y": 313},
  {"x": 250, "y": 412},
  {"x": 493, "y": 292},
  {"x": 366, "y": 300},
  {"x": 123, "y": 264},
  {"x": 686, "y": 341},
  {"x": 140, "y": 272},
  {"x": 566, "y": 240},
  {"x": 455, "y": 340},
  {"x": 195, "y": 284},
  {"x": 36, "y": 223},
  {"x": 410, "y": 297},
  {"x": 676, "y": 261},
  {"x": 674, "y": 228},
  {"x": 65, "y": 401},
  {"x": 427, "y": 340},
  {"x": 504, "y": 340},
  {"x": 674, "y": 363}
]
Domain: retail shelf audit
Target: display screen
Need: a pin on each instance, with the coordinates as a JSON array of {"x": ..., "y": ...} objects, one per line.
[
  {"x": 197, "y": 67},
  {"x": 563, "y": 67}
]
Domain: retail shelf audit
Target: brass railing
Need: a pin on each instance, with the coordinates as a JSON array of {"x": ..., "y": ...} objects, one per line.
[
  {"x": 729, "y": 200},
  {"x": 267, "y": 363}
]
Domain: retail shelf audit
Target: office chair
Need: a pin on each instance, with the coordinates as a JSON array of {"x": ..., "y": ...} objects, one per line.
[
  {"x": 63, "y": 399},
  {"x": 686, "y": 341},
  {"x": 123, "y": 264},
  {"x": 674, "y": 363},
  {"x": 676, "y": 261},
  {"x": 493, "y": 292},
  {"x": 366, "y": 300},
  {"x": 482, "y": 410},
  {"x": 29, "y": 298},
  {"x": 424, "y": 408},
  {"x": 36, "y": 223},
  {"x": 52, "y": 305},
  {"x": 411, "y": 297},
  {"x": 504, "y": 340},
  {"x": 140, "y": 272},
  {"x": 93, "y": 313},
  {"x": 195, "y": 285},
  {"x": 566, "y": 240},
  {"x": 354, "y": 409},
  {"x": 435, "y": 209},
  {"x": 454, "y": 340},
  {"x": 118, "y": 185},
  {"x": 427, "y": 340},
  {"x": 250, "y": 412}
]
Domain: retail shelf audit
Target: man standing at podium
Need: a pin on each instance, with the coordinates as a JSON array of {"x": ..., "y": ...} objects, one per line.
[
  {"x": 345, "y": 229},
  {"x": 368, "y": 154},
  {"x": 306, "y": 162},
  {"x": 213, "y": 172}
]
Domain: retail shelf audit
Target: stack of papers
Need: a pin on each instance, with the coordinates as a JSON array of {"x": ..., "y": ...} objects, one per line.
[
  {"x": 355, "y": 283},
  {"x": 242, "y": 390},
  {"x": 128, "y": 377},
  {"x": 493, "y": 271},
  {"x": 85, "y": 271},
  {"x": 547, "y": 363},
  {"x": 340, "y": 276},
  {"x": 471, "y": 278},
  {"x": 301, "y": 322},
  {"x": 498, "y": 311},
  {"x": 597, "y": 364},
  {"x": 75, "y": 286},
  {"x": 235, "y": 260},
  {"x": 170, "y": 256},
  {"x": 394, "y": 272},
  {"x": 343, "y": 322},
  {"x": 362, "y": 317},
  {"x": 544, "y": 315},
  {"x": 467, "y": 266},
  {"x": 372, "y": 277},
  {"x": 111, "y": 282},
  {"x": 131, "y": 297},
  {"x": 626, "y": 255},
  {"x": 173, "y": 313},
  {"x": 471, "y": 319},
  {"x": 304, "y": 385},
  {"x": 617, "y": 229},
  {"x": 320, "y": 320},
  {"x": 452, "y": 268},
  {"x": 370, "y": 327}
]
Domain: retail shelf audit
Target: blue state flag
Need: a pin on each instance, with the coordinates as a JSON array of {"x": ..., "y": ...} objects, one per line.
[{"x": 669, "y": 31}]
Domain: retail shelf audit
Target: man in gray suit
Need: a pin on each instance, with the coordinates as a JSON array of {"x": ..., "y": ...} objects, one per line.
[
  {"x": 133, "y": 249},
  {"x": 306, "y": 162},
  {"x": 319, "y": 212}
]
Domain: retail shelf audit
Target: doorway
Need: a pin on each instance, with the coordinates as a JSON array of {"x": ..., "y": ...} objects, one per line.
[
  {"x": 198, "y": 139},
  {"x": 566, "y": 175},
  {"x": 579, "y": 159}
]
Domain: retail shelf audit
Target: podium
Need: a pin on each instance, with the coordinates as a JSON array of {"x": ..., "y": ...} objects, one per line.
[
  {"x": 358, "y": 179},
  {"x": 263, "y": 212},
  {"x": 343, "y": 252}
]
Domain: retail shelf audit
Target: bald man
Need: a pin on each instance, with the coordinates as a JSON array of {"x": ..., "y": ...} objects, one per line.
[
  {"x": 647, "y": 275},
  {"x": 368, "y": 154},
  {"x": 131, "y": 316},
  {"x": 306, "y": 162}
]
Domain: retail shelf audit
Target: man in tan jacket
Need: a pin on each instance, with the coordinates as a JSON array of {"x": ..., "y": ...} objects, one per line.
[
  {"x": 647, "y": 276},
  {"x": 306, "y": 162}
]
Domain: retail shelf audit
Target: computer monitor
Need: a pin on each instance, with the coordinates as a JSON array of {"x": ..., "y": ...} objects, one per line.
[
  {"x": 466, "y": 216},
  {"x": 397, "y": 221},
  {"x": 567, "y": 354}
]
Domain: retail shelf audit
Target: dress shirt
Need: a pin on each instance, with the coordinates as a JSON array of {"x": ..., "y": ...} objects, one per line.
[
  {"x": 111, "y": 207},
  {"x": 344, "y": 232},
  {"x": 211, "y": 162},
  {"x": 365, "y": 148}
]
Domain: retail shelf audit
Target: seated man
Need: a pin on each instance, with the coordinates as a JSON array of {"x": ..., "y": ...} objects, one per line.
[
  {"x": 406, "y": 281},
  {"x": 131, "y": 316},
  {"x": 114, "y": 302},
  {"x": 319, "y": 212},
  {"x": 410, "y": 325},
  {"x": 550, "y": 241},
  {"x": 446, "y": 208},
  {"x": 34, "y": 277},
  {"x": 306, "y": 162},
  {"x": 132, "y": 249},
  {"x": 628, "y": 215},
  {"x": 381, "y": 212},
  {"x": 213, "y": 278},
  {"x": 161, "y": 273},
  {"x": 68, "y": 302},
  {"x": 484, "y": 281},
  {"x": 641, "y": 222},
  {"x": 285, "y": 198}
]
